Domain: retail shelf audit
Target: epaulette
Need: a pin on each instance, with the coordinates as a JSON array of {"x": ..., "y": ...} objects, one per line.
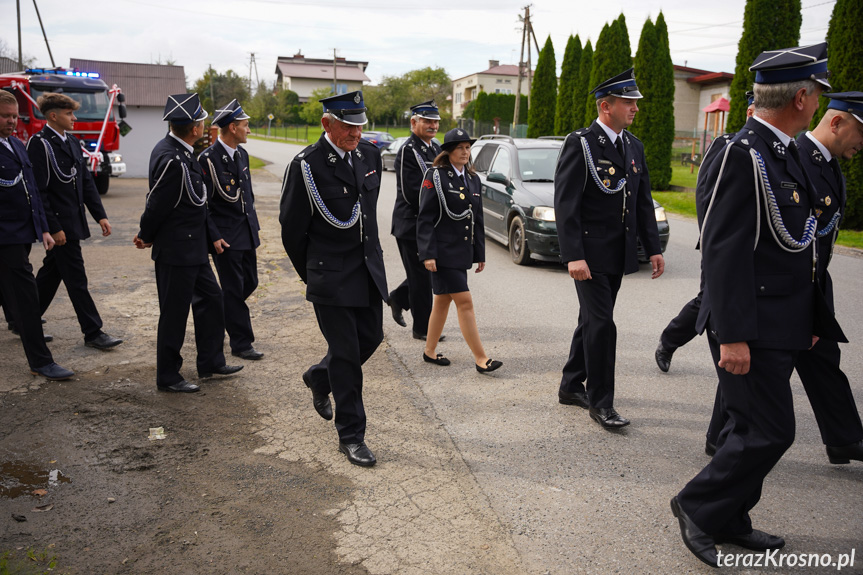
[
  {"x": 745, "y": 138},
  {"x": 308, "y": 151},
  {"x": 631, "y": 135},
  {"x": 366, "y": 143}
]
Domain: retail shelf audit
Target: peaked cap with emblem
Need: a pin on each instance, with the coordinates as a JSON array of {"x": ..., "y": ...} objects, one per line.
[
  {"x": 851, "y": 102},
  {"x": 427, "y": 110},
  {"x": 792, "y": 65},
  {"x": 184, "y": 109},
  {"x": 233, "y": 112},
  {"x": 750, "y": 98},
  {"x": 455, "y": 137},
  {"x": 622, "y": 86},
  {"x": 349, "y": 108}
]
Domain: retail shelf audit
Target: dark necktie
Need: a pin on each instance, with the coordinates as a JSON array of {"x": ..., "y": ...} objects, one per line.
[
  {"x": 347, "y": 158},
  {"x": 619, "y": 146},
  {"x": 840, "y": 180}
]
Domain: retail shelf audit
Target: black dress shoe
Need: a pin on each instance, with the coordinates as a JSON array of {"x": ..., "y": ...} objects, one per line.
[
  {"x": 607, "y": 417},
  {"x": 250, "y": 354},
  {"x": 846, "y": 453},
  {"x": 221, "y": 370},
  {"x": 578, "y": 398},
  {"x": 423, "y": 336},
  {"x": 663, "y": 357},
  {"x": 397, "y": 313},
  {"x": 179, "y": 387},
  {"x": 490, "y": 366},
  {"x": 319, "y": 400},
  {"x": 358, "y": 453},
  {"x": 697, "y": 541},
  {"x": 439, "y": 359},
  {"x": 47, "y": 338},
  {"x": 103, "y": 341},
  {"x": 53, "y": 372},
  {"x": 756, "y": 541},
  {"x": 709, "y": 448}
]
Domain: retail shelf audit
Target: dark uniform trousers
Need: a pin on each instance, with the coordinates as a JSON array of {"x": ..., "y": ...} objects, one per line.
[
  {"x": 600, "y": 228},
  {"x": 180, "y": 287},
  {"x": 681, "y": 330},
  {"x": 415, "y": 292},
  {"x": 18, "y": 288},
  {"x": 762, "y": 294},
  {"x": 182, "y": 234},
  {"x": 826, "y": 385},
  {"x": 342, "y": 269},
  {"x": 237, "y": 221},
  {"x": 23, "y": 223},
  {"x": 65, "y": 204},
  {"x": 66, "y": 264}
]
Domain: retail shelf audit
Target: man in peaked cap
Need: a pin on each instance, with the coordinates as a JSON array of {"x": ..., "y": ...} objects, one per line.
[
  {"x": 66, "y": 187},
  {"x": 23, "y": 224},
  {"x": 330, "y": 232},
  {"x": 759, "y": 299},
  {"x": 601, "y": 201},
  {"x": 412, "y": 161},
  {"x": 176, "y": 224},
  {"x": 225, "y": 165},
  {"x": 839, "y": 134}
]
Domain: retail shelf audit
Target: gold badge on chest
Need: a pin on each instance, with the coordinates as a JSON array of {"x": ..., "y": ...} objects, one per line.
[
  {"x": 827, "y": 200},
  {"x": 796, "y": 197},
  {"x": 611, "y": 171}
]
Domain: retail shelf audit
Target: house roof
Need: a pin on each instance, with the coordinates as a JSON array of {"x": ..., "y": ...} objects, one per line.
[
  {"x": 711, "y": 78},
  {"x": 143, "y": 84},
  {"x": 8, "y": 65},
  {"x": 688, "y": 70},
  {"x": 322, "y": 71},
  {"x": 503, "y": 70}
]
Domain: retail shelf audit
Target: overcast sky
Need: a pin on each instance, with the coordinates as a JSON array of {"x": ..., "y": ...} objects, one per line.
[{"x": 394, "y": 36}]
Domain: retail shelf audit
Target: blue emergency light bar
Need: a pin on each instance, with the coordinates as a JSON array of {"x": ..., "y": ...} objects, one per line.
[{"x": 61, "y": 71}]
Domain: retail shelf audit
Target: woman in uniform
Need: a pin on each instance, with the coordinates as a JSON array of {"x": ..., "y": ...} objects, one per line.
[{"x": 451, "y": 239}]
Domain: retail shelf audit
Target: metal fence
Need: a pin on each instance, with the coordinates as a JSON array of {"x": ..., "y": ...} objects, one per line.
[{"x": 477, "y": 129}]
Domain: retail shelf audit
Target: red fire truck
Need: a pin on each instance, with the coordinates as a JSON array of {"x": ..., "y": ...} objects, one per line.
[{"x": 95, "y": 116}]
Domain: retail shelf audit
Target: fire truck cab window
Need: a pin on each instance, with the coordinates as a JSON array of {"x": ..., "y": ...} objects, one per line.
[{"x": 93, "y": 104}]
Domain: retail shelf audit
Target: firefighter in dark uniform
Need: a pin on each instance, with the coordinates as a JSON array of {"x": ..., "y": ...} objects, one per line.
[
  {"x": 66, "y": 187},
  {"x": 681, "y": 330},
  {"x": 330, "y": 232},
  {"x": 451, "y": 238},
  {"x": 759, "y": 299},
  {"x": 232, "y": 209},
  {"x": 839, "y": 134},
  {"x": 23, "y": 223},
  {"x": 601, "y": 201},
  {"x": 412, "y": 160},
  {"x": 176, "y": 224}
]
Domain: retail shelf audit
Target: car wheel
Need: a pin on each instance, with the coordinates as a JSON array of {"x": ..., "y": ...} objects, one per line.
[{"x": 518, "y": 250}]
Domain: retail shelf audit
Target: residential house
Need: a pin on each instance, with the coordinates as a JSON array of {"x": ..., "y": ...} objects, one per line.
[
  {"x": 305, "y": 75},
  {"x": 498, "y": 79},
  {"x": 695, "y": 89}
]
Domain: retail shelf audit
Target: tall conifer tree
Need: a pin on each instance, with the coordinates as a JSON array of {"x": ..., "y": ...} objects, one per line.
[
  {"x": 845, "y": 54},
  {"x": 543, "y": 94},
  {"x": 662, "y": 123},
  {"x": 564, "y": 112},
  {"x": 579, "y": 94},
  {"x": 645, "y": 59},
  {"x": 611, "y": 57},
  {"x": 767, "y": 25}
]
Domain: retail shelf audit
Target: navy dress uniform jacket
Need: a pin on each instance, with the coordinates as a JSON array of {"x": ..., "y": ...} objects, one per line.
[
  {"x": 64, "y": 202},
  {"x": 454, "y": 243},
  {"x": 755, "y": 291},
  {"x": 413, "y": 159},
  {"x": 181, "y": 231},
  {"x": 22, "y": 215},
  {"x": 598, "y": 227},
  {"x": 226, "y": 179},
  {"x": 830, "y": 197},
  {"x": 335, "y": 263}
]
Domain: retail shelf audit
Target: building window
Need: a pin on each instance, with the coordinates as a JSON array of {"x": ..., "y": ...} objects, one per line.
[
  {"x": 509, "y": 81},
  {"x": 499, "y": 80},
  {"x": 340, "y": 88}
]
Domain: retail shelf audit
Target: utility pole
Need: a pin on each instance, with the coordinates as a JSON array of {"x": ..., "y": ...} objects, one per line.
[
  {"x": 251, "y": 62},
  {"x": 43, "y": 35},
  {"x": 20, "y": 57},
  {"x": 520, "y": 64},
  {"x": 335, "y": 74}
]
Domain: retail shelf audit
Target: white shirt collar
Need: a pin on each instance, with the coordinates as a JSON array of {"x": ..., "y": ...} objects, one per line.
[
  {"x": 185, "y": 145},
  {"x": 61, "y": 136},
  {"x": 457, "y": 173},
  {"x": 612, "y": 135},
  {"x": 824, "y": 151},
  {"x": 338, "y": 150},
  {"x": 783, "y": 137},
  {"x": 231, "y": 151}
]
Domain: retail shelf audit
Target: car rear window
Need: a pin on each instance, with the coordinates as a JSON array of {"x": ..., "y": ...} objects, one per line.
[{"x": 483, "y": 159}]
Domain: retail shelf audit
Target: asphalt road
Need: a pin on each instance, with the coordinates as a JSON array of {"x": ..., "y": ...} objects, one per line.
[{"x": 574, "y": 497}]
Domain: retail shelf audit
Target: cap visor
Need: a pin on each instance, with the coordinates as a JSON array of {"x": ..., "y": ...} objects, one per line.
[{"x": 354, "y": 119}]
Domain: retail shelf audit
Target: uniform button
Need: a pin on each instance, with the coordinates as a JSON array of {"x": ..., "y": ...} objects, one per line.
[
  {"x": 320, "y": 263},
  {"x": 366, "y": 237},
  {"x": 190, "y": 235},
  {"x": 762, "y": 288},
  {"x": 365, "y": 217},
  {"x": 367, "y": 257},
  {"x": 465, "y": 239},
  {"x": 628, "y": 193},
  {"x": 627, "y": 228},
  {"x": 585, "y": 232},
  {"x": 466, "y": 227},
  {"x": 627, "y": 211}
]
